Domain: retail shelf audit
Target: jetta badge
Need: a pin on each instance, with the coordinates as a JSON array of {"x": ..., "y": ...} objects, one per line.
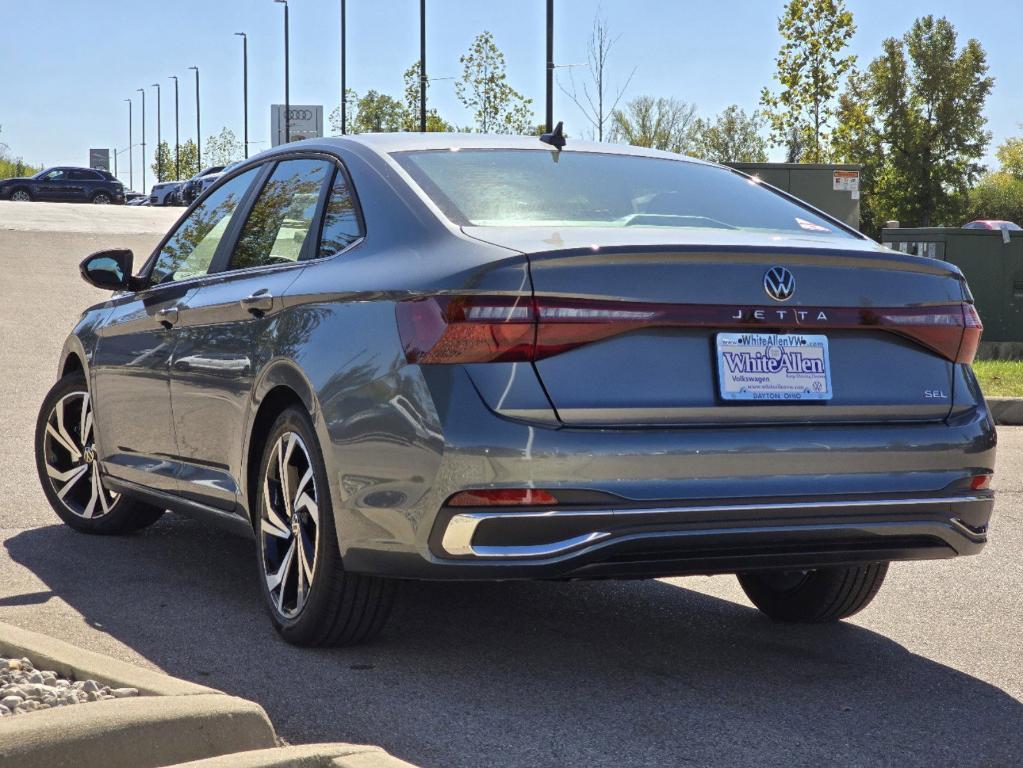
[{"x": 779, "y": 283}]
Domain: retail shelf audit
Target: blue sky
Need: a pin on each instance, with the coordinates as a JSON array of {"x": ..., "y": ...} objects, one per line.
[{"x": 68, "y": 64}]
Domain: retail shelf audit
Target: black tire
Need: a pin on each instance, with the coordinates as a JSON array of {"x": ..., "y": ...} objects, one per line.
[
  {"x": 814, "y": 597},
  {"x": 21, "y": 195},
  {"x": 102, "y": 198},
  {"x": 70, "y": 498},
  {"x": 339, "y": 608}
]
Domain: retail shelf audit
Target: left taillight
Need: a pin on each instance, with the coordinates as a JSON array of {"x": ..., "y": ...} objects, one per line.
[{"x": 467, "y": 329}]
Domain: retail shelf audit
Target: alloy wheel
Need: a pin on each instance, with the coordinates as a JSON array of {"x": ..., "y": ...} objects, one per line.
[
  {"x": 21, "y": 196},
  {"x": 289, "y": 525},
  {"x": 101, "y": 199},
  {"x": 70, "y": 457}
]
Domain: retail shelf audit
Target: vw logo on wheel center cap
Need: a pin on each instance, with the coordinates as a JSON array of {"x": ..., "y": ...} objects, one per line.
[{"x": 779, "y": 283}]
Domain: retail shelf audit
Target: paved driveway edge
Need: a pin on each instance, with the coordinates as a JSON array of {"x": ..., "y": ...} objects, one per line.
[{"x": 1007, "y": 411}]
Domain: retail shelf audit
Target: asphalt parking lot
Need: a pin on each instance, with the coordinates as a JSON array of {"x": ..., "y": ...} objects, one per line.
[{"x": 656, "y": 673}]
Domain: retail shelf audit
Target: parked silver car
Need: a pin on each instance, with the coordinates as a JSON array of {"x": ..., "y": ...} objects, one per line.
[{"x": 468, "y": 357}]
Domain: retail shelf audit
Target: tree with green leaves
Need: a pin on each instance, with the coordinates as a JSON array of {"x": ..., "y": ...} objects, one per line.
[
  {"x": 915, "y": 119},
  {"x": 659, "y": 123},
  {"x": 14, "y": 167},
  {"x": 377, "y": 113},
  {"x": 434, "y": 122},
  {"x": 484, "y": 90},
  {"x": 165, "y": 155},
  {"x": 810, "y": 70},
  {"x": 223, "y": 148},
  {"x": 334, "y": 118},
  {"x": 999, "y": 195},
  {"x": 733, "y": 137}
]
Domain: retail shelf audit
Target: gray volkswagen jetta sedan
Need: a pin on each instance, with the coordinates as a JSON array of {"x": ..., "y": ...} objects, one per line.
[{"x": 435, "y": 356}]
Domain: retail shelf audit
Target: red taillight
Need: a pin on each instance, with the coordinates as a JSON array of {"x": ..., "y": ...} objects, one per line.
[
  {"x": 980, "y": 482},
  {"x": 502, "y": 497},
  {"x": 467, "y": 329},
  {"x": 483, "y": 329}
]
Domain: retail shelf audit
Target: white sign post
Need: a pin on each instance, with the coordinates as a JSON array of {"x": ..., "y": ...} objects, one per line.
[{"x": 306, "y": 121}]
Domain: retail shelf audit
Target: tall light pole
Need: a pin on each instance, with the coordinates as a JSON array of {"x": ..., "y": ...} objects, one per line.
[
  {"x": 344, "y": 91},
  {"x": 198, "y": 124},
  {"x": 287, "y": 77},
  {"x": 143, "y": 92},
  {"x": 245, "y": 85},
  {"x": 159, "y": 139},
  {"x": 177, "y": 132},
  {"x": 131, "y": 167},
  {"x": 550, "y": 65},
  {"x": 422, "y": 66}
]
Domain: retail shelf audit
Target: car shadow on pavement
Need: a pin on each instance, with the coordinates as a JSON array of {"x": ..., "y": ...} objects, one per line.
[{"x": 533, "y": 674}]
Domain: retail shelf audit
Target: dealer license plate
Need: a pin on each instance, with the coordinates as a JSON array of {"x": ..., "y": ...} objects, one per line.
[{"x": 772, "y": 366}]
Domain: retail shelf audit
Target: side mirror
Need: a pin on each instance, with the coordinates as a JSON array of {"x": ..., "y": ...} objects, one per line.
[{"x": 110, "y": 270}]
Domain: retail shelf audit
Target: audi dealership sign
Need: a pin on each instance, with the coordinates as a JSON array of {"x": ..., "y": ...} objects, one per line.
[{"x": 306, "y": 122}]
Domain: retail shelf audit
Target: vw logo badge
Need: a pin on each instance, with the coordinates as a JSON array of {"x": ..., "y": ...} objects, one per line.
[{"x": 779, "y": 283}]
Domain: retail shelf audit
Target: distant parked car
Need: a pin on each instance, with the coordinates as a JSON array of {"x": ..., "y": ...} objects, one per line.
[
  {"x": 65, "y": 185},
  {"x": 199, "y": 183},
  {"x": 993, "y": 224},
  {"x": 166, "y": 193}
]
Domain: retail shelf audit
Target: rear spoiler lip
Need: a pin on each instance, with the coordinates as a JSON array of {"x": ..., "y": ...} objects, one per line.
[{"x": 770, "y": 254}]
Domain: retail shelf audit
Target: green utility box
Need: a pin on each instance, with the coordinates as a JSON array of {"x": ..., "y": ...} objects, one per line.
[
  {"x": 834, "y": 189},
  {"x": 992, "y": 261}
]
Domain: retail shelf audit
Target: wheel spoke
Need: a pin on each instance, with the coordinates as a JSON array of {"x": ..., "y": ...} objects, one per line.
[
  {"x": 69, "y": 478},
  {"x": 69, "y": 443},
  {"x": 282, "y": 472},
  {"x": 275, "y": 519},
  {"x": 90, "y": 508},
  {"x": 304, "y": 560},
  {"x": 101, "y": 490},
  {"x": 268, "y": 527},
  {"x": 278, "y": 578},
  {"x": 85, "y": 423},
  {"x": 64, "y": 442},
  {"x": 306, "y": 502}
]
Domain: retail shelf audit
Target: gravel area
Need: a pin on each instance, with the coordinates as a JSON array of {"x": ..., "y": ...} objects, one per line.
[{"x": 23, "y": 688}]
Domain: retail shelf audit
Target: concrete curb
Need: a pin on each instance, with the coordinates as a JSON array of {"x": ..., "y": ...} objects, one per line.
[
  {"x": 1007, "y": 411},
  {"x": 48, "y": 653},
  {"x": 144, "y": 732},
  {"x": 172, "y": 721},
  {"x": 306, "y": 756}
]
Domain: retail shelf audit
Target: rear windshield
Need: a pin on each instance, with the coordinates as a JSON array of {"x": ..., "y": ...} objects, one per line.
[{"x": 524, "y": 188}]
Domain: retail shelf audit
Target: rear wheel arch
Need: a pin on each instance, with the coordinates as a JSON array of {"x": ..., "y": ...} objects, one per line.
[{"x": 272, "y": 405}]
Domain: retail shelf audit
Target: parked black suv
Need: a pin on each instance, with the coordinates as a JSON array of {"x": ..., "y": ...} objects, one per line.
[{"x": 65, "y": 185}]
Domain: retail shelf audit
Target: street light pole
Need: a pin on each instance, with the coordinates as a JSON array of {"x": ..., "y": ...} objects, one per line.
[
  {"x": 177, "y": 132},
  {"x": 287, "y": 77},
  {"x": 159, "y": 139},
  {"x": 344, "y": 91},
  {"x": 143, "y": 92},
  {"x": 245, "y": 85},
  {"x": 198, "y": 124},
  {"x": 131, "y": 167},
  {"x": 422, "y": 66},
  {"x": 550, "y": 65}
]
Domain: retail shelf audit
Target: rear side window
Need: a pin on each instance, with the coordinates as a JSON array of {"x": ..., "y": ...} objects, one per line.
[
  {"x": 529, "y": 188},
  {"x": 340, "y": 220},
  {"x": 190, "y": 250},
  {"x": 282, "y": 215}
]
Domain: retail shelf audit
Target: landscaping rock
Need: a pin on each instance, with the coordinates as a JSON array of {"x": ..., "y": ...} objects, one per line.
[{"x": 24, "y": 689}]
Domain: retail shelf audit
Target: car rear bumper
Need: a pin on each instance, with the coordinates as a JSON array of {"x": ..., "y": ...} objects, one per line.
[{"x": 658, "y": 502}]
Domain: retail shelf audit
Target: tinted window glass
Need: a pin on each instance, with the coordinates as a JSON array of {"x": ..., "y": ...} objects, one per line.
[
  {"x": 589, "y": 189},
  {"x": 282, "y": 214},
  {"x": 191, "y": 248},
  {"x": 57, "y": 174},
  {"x": 340, "y": 222}
]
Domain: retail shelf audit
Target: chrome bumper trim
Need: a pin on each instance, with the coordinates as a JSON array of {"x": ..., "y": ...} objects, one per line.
[{"x": 458, "y": 534}]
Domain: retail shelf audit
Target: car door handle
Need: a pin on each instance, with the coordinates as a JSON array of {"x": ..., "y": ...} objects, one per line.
[
  {"x": 168, "y": 316},
  {"x": 259, "y": 302}
]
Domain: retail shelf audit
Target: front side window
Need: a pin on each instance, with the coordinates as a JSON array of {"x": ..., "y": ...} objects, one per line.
[
  {"x": 340, "y": 221},
  {"x": 282, "y": 215},
  {"x": 57, "y": 174},
  {"x": 190, "y": 250},
  {"x": 523, "y": 188}
]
